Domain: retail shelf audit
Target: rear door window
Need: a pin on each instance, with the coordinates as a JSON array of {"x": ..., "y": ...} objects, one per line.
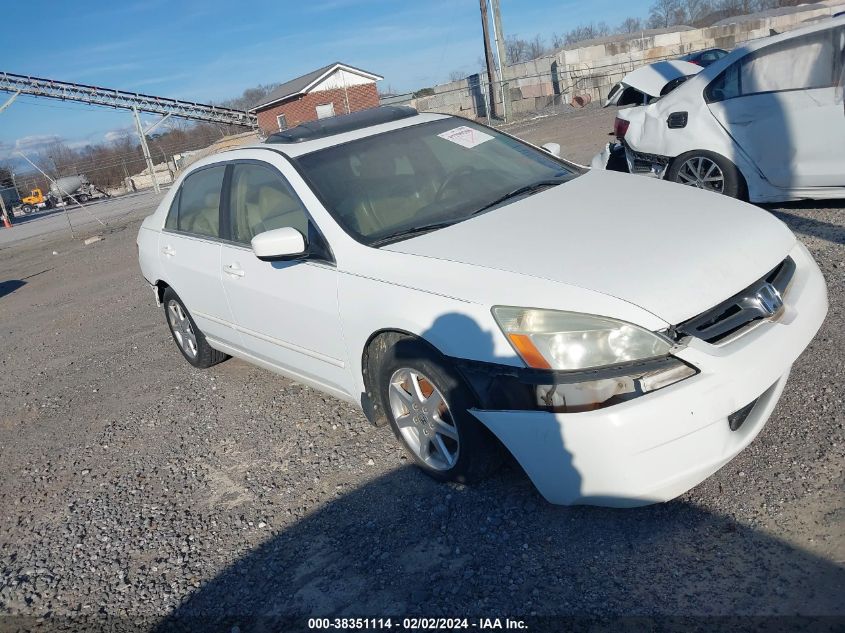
[
  {"x": 804, "y": 63},
  {"x": 801, "y": 64},
  {"x": 196, "y": 207}
]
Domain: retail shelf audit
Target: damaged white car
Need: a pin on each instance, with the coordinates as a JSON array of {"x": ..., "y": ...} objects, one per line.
[
  {"x": 649, "y": 83},
  {"x": 765, "y": 123},
  {"x": 474, "y": 291}
]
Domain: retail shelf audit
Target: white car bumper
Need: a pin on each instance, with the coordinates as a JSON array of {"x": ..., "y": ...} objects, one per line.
[{"x": 659, "y": 445}]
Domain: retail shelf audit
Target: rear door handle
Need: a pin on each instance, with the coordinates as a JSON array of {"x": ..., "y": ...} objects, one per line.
[
  {"x": 168, "y": 250},
  {"x": 233, "y": 269}
]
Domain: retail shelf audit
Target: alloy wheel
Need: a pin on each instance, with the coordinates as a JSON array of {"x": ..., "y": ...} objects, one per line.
[
  {"x": 423, "y": 418},
  {"x": 701, "y": 172},
  {"x": 181, "y": 327}
]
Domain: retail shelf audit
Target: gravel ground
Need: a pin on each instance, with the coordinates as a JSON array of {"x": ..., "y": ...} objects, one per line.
[{"x": 139, "y": 488}]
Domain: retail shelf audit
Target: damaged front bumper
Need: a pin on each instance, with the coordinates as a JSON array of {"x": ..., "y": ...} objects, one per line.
[
  {"x": 620, "y": 157},
  {"x": 658, "y": 445}
]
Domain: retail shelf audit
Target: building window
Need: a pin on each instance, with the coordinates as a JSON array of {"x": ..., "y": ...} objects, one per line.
[
  {"x": 283, "y": 123},
  {"x": 326, "y": 110}
]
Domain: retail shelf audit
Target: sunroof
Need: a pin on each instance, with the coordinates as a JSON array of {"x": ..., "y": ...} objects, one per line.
[{"x": 343, "y": 123}]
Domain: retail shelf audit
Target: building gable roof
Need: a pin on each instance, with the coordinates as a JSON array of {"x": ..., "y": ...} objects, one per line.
[{"x": 302, "y": 84}]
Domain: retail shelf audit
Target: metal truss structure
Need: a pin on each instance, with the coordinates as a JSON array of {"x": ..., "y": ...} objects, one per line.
[{"x": 121, "y": 99}]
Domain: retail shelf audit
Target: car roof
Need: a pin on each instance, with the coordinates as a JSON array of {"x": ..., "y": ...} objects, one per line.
[
  {"x": 788, "y": 35},
  {"x": 306, "y": 144},
  {"x": 333, "y": 125},
  {"x": 292, "y": 150}
]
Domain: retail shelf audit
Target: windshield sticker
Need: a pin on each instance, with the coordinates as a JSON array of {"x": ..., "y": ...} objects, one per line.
[{"x": 465, "y": 136}]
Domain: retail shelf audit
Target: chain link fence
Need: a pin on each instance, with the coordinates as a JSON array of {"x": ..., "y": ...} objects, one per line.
[
  {"x": 575, "y": 77},
  {"x": 520, "y": 97}
]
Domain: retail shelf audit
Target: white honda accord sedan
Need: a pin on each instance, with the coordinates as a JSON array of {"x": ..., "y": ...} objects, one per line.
[{"x": 621, "y": 337}]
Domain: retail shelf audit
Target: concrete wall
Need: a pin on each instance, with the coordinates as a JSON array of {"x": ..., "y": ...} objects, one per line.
[{"x": 592, "y": 70}]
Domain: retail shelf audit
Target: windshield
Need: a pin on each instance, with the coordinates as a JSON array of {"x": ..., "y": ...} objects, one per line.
[{"x": 393, "y": 185}]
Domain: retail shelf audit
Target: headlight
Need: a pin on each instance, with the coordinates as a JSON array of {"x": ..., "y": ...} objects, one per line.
[
  {"x": 568, "y": 341},
  {"x": 605, "y": 361}
]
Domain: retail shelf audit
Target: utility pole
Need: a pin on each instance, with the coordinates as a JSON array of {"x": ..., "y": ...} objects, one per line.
[
  {"x": 145, "y": 148},
  {"x": 3, "y": 213},
  {"x": 500, "y": 53},
  {"x": 488, "y": 58}
]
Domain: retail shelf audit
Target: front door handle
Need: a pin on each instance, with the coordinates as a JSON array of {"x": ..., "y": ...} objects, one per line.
[
  {"x": 234, "y": 270},
  {"x": 168, "y": 250}
]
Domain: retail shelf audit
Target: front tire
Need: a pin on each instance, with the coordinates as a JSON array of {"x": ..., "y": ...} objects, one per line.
[
  {"x": 188, "y": 337},
  {"x": 427, "y": 404},
  {"x": 708, "y": 171}
]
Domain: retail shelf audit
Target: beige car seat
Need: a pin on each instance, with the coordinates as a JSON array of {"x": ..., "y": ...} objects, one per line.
[
  {"x": 206, "y": 219},
  {"x": 275, "y": 209},
  {"x": 379, "y": 202}
]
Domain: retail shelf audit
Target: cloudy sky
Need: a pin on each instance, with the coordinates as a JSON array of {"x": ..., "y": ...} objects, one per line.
[{"x": 211, "y": 50}]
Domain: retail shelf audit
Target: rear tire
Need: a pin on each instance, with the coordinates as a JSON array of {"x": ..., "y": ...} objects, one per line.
[
  {"x": 427, "y": 404},
  {"x": 708, "y": 171},
  {"x": 188, "y": 337}
]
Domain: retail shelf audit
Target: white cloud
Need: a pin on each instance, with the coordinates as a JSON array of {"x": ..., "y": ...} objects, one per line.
[
  {"x": 36, "y": 142},
  {"x": 117, "y": 134}
]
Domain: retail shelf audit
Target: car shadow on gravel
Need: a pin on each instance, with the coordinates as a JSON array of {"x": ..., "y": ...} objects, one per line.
[
  {"x": 403, "y": 545},
  {"x": 9, "y": 286},
  {"x": 812, "y": 227}
]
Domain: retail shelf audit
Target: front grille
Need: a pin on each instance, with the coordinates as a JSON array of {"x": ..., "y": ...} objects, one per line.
[{"x": 761, "y": 300}]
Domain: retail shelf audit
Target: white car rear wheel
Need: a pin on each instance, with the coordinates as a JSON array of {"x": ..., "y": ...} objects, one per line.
[
  {"x": 708, "y": 171},
  {"x": 188, "y": 337}
]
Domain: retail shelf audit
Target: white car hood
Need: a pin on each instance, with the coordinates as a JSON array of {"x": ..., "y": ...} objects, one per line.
[
  {"x": 672, "y": 250},
  {"x": 651, "y": 79}
]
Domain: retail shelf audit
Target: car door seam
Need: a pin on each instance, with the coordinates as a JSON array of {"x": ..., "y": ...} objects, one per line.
[{"x": 275, "y": 341}]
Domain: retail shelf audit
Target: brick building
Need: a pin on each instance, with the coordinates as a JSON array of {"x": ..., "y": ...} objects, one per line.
[{"x": 334, "y": 89}]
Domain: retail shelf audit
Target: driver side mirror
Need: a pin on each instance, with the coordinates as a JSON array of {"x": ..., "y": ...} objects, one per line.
[
  {"x": 279, "y": 244},
  {"x": 552, "y": 148}
]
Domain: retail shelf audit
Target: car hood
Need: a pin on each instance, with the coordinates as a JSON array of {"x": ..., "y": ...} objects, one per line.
[
  {"x": 651, "y": 79},
  {"x": 670, "y": 249}
]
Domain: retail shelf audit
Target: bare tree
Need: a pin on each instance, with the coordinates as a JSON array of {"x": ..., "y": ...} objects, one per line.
[
  {"x": 630, "y": 25},
  {"x": 516, "y": 49},
  {"x": 5, "y": 177},
  {"x": 586, "y": 32},
  {"x": 250, "y": 97},
  {"x": 457, "y": 75},
  {"x": 695, "y": 10},
  {"x": 665, "y": 13},
  {"x": 536, "y": 47}
]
